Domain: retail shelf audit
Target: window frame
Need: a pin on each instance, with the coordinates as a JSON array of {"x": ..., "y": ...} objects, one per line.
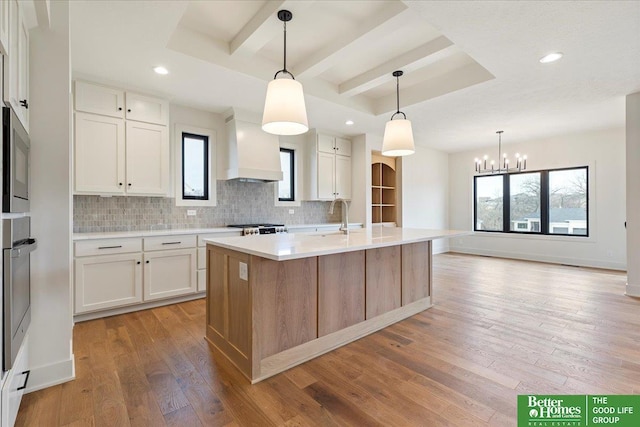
[
  {"x": 292, "y": 175},
  {"x": 177, "y": 161},
  {"x": 544, "y": 204},
  {"x": 205, "y": 145}
]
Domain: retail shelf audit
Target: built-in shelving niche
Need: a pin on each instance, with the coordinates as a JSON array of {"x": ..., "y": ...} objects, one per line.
[{"x": 383, "y": 190}]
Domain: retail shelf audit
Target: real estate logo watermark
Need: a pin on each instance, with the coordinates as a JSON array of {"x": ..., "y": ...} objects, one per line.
[{"x": 578, "y": 410}]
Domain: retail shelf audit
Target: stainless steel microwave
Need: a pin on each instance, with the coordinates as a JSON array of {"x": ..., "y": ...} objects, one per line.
[{"x": 15, "y": 162}]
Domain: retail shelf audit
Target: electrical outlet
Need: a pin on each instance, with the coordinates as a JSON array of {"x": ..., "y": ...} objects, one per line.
[
  {"x": 244, "y": 273},
  {"x": 191, "y": 212},
  {"x": 291, "y": 211}
]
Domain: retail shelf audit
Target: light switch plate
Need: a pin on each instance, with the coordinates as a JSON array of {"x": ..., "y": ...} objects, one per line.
[
  {"x": 244, "y": 273},
  {"x": 191, "y": 212},
  {"x": 291, "y": 211}
]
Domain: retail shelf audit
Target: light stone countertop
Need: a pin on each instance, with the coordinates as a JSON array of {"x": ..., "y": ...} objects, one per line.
[
  {"x": 178, "y": 231},
  {"x": 149, "y": 233},
  {"x": 281, "y": 247}
]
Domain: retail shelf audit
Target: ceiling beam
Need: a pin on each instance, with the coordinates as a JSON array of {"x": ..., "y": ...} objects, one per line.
[
  {"x": 43, "y": 13},
  {"x": 263, "y": 26},
  {"x": 407, "y": 62},
  {"x": 460, "y": 78},
  {"x": 374, "y": 27}
]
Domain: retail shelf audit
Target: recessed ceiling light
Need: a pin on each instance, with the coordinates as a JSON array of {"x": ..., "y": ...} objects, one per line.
[
  {"x": 160, "y": 70},
  {"x": 348, "y": 122},
  {"x": 554, "y": 56}
]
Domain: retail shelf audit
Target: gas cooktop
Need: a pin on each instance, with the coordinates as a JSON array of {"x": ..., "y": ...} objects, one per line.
[{"x": 251, "y": 229}]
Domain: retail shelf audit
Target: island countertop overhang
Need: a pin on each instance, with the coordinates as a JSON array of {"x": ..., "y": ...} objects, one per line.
[{"x": 288, "y": 246}]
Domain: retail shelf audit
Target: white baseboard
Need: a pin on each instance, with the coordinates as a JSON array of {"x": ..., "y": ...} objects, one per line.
[
  {"x": 50, "y": 375},
  {"x": 610, "y": 265},
  {"x": 632, "y": 290}
]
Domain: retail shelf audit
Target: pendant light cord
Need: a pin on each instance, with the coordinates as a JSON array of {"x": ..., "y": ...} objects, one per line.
[
  {"x": 398, "y": 94},
  {"x": 284, "y": 70},
  {"x": 285, "y": 47},
  {"x": 397, "y": 75}
]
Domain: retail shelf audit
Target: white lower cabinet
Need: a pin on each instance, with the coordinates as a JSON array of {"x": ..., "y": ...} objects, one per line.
[
  {"x": 169, "y": 273},
  {"x": 119, "y": 272},
  {"x": 108, "y": 281},
  {"x": 15, "y": 384}
]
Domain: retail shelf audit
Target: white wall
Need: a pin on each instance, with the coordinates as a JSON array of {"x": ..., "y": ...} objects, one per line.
[
  {"x": 633, "y": 194},
  {"x": 360, "y": 206},
  {"x": 603, "y": 151},
  {"x": 51, "y": 358},
  {"x": 425, "y": 190}
]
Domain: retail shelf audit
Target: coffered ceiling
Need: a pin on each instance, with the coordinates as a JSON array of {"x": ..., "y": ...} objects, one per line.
[{"x": 471, "y": 67}]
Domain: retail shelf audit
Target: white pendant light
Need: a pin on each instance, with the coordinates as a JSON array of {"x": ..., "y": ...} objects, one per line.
[
  {"x": 398, "y": 135},
  {"x": 284, "y": 109}
]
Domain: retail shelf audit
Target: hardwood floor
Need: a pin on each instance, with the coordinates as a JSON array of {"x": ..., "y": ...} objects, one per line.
[{"x": 499, "y": 328}]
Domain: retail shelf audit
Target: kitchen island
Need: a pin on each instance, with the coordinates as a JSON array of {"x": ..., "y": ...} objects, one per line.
[{"x": 275, "y": 301}]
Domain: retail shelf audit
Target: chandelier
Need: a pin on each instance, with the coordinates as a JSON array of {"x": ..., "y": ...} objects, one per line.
[{"x": 503, "y": 165}]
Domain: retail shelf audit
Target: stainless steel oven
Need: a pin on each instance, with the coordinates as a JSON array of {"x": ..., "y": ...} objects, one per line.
[
  {"x": 17, "y": 245},
  {"x": 15, "y": 162}
]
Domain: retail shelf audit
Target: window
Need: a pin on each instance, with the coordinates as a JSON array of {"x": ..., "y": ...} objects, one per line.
[
  {"x": 195, "y": 167},
  {"x": 489, "y": 206},
  {"x": 568, "y": 202},
  {"x": 524, "y": 201},
  {"x": 286, "y": 187},
  {"x": 552, "y": 202}
]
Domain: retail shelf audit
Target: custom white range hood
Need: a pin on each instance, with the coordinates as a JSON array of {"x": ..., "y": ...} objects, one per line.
[{"x": 253, "y": 155}]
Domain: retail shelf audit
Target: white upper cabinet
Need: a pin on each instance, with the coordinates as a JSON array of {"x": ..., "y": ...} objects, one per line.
[
  {"x": 115, "y": 154},
  {"x": 147, "y": 159},
  {"x": 329, "y": 168},
  {"x": 147, "y": 109},
  {"x": 97, "y": 99},
  {"x": 16, "y": 63},
  {"x": 99, "y": 154},
  {"x": 4, "y": 27}
]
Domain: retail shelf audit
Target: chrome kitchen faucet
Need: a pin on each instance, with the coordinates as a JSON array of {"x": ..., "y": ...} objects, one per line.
[{"x": 345, "y": 214}]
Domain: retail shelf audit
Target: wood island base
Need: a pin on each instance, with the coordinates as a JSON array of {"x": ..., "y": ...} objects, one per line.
[{"x": 268, "y": 316}]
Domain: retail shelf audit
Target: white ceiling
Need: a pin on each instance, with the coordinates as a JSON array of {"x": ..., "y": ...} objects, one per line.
[{"x": 471, "y": 67}]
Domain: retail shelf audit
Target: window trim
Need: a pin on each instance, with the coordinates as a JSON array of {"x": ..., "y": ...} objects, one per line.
[
  {"x": 544, "y": 204},
  {"x": 292, "y": 176},
  {"x": 179, "y": 129},
  {"x": 205, "y": 140}
]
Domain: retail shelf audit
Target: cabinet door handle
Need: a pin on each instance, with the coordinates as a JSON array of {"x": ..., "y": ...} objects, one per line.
[
  {"x": 119, "y": 108},
  {"x": 129, "y": 184},
  {"x": 171, "y": 243},
  {"x": 24, "y": 103},
  {"x": 26, "y": 379},
  {"x": 119, "y": 184},
  {"x": 138, "y": 262},
  {"x": 128, "y": 110},
  {"x": 110, "y": 247},
  {"x": 147, "y": 262}
]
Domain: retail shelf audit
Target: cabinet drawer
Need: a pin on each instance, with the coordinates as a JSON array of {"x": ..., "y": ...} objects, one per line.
[
  {"x": 201, "y": 237},
  {"x": 15, "y": 385},
  {"x": 107, "y": 246},
  {"x": 161, "y": 243}
]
